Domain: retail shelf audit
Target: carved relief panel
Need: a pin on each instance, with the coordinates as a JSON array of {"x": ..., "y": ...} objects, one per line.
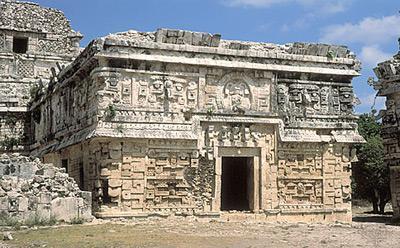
[
  {"x": 239, "y": 92},
  {"x": 303, "y": 99},
  {"x": 297, "y": 162},
  {"x": 237, "y": 96},
  {"x": 155, "y": 92},
  {"x": 240, "y": 134},
  {"x": 298, "y": 192},
  {"x": 166, "y": 185}
]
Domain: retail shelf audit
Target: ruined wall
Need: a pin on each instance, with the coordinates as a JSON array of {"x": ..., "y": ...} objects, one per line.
[
  {"x": 29, "y": 188},
  {"x": 388, "y": 86},
  {"x": 33, "y": 40},
  {"x": 161, "y": 111}
]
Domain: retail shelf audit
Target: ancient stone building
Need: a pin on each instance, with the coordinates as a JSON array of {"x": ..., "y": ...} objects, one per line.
[
  {"x": 180, "y": 122},
  {"x": 33, "y": 39},
  {"x": 388, "y": 85}
]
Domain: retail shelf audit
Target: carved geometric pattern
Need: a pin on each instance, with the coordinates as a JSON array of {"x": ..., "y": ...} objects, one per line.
[
  {"x": 166, "y": 186},
  {"x": 300, "y": 99},
  {"x": 52, "y": 46},
  {"x": 2, "y": 41},
  {"x": 300, "y": 163},
  {"x": 300, "y": 191},
  {"x": 25, "y": 68}
]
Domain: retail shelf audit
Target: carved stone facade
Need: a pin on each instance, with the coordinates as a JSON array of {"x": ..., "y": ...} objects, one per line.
[
  {"x": 33, "y": 40},
  {"x": 181, "y": 122},
  {"x": 388, "y": 85}
]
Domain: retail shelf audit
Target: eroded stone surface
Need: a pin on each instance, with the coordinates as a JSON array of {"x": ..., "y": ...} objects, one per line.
[
  {"x": 388, "y": 85},
  {"x": 30, "y": 188}
]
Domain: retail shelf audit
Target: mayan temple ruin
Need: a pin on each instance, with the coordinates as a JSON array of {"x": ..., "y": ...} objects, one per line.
[
  {"x": 388, "y": 86},
  {"x": 30, "y": 46},
  {"x": 181, "y": 122}
]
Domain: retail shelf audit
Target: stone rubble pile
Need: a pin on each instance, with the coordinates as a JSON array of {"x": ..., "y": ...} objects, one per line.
[{"x": 29, "y": 187}]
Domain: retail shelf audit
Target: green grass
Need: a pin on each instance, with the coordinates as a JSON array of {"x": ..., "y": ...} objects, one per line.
[{"x": 34, "y": 220}]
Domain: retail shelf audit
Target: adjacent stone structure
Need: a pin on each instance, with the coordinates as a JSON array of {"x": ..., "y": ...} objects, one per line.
[
  {"x": 33, "y": 40},
  {"x": 181, "y": 122},
  {"x": 388, "y": 85},
  {"x": 29, "y": 188}
]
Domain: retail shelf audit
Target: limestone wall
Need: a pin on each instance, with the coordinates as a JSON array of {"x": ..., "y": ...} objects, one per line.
[
  {"x": 29, "y": 188},
  {"x": 388, "y": 85}
]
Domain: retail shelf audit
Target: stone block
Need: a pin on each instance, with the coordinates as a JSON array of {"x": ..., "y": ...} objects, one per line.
[
  {"x": 64, "y": 208},
  {"x": 127, "y": 184},
  {"x": 126, "y": 195},
  {"x": 139, "y": 167},
  {"x": 44, "y": 211},
  {"x": 4, "y": 203},
  {"x": 49, "y": 172},
  {"x": 138, "y": 175},
  {"x": 197, "y": 39},
  {"x": 114, "y": 183},
  {"x": 44, "y": 198},
  {"x": 23, "y": 204},
  {"x": 215, "y": 40},
  {"x": 28, "y": 170}
]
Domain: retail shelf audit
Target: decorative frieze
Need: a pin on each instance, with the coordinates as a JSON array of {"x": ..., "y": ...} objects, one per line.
[{"x": 165, "y": 128}]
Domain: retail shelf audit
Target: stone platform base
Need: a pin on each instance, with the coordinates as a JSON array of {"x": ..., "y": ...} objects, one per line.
[{"x": 321, "y": 216}]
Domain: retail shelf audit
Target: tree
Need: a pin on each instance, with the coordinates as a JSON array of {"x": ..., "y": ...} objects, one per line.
[{"x": 370, "y": 175}]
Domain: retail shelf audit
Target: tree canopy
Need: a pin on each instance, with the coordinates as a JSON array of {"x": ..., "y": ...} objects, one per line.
[{"x": 370, "y": 175}]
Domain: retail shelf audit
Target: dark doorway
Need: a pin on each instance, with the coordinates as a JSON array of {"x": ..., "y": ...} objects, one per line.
[
  {"x": 236, "y": 188},
  {"x": 81, "y": 176},
  {"x": 20, "y": 45},
  {"x": 64, "y": 164}
]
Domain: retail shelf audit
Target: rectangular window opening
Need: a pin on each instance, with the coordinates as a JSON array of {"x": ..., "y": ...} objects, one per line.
[
  {"x": 20, "y": 45},
  {"x": 64, "y": 164}
]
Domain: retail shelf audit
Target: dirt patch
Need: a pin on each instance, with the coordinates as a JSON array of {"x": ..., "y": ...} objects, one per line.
[{"x": 195, "y": 233}]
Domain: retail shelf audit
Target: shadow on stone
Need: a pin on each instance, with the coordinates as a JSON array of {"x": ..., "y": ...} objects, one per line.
[{"x": 386, "y": 218}]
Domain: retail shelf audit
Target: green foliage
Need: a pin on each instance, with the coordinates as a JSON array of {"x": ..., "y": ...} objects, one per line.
[
  {"x": 36, "y": 220},
  {"x": 8, "y": 143},
  {"x": 110, "y": 112},
  {"x": 7, "y": 220},
  {"x": 77, "y": 221},
  {"x": 368, "y": 126},
  {"x": 36, "y": 91},
  {"x": 331, "y": 54},
  {"x": 210, "y": 112},
  {"x": 119, "y": 129},
  {"x": 370, "y": 175}
]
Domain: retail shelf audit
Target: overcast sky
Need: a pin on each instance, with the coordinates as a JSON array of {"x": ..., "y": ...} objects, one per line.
[{"x": 369, "y": 27}]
